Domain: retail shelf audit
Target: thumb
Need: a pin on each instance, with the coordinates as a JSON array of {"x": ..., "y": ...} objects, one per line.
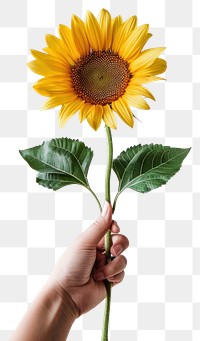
[{"x": 98, "y": 229}]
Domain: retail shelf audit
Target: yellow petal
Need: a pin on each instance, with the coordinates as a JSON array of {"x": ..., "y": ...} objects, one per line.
[
  {"x": 135, "y": 42},
  {"x": 109, "y": 117},
  {"x": 106, "y": 28},
  {"x": 58, "y": 100},
  {"x": 145, "y": 59},
  {"x": 39, "y": 68},
  {"x": 79, "y": 35},
  {"x": 134, "y": 56},
  {"x": 47, "y": 59},
  {"x": 136, "y": 90},
  {"x": 53, "y": 85},
  {"x": 93, "y": 32},
  {"x": 57, "y": 80},
  {"x": 95, "y": 116},
  {"x": 69, "y": 110},
  {"x": 65, "y": 58},
  {"x": 53, "y": 42},
  {"x": 145, "y": 80},
  {"x": 66, "y": 35},
  {"x": 130, "y": 25},
  {"x": 49, "y": 62},
  {"x": 136, "y": 101},
  {"x": 123, "y": 33},
  {"x": 122, "y": 109},
  {"x": 148, "y": 36},
  {"x": 158, "y": 67},
  {"x": 50, "y": 92},
  {"x": 116, "y": 23},
  {"x": 56, "y": 47},
  {"x": 46, "y": 69},
  {"x": 84, "y": 112},
  {"x": 56, "y": 54}
]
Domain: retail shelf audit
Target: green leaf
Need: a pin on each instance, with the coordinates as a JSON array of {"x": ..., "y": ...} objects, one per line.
[
  {"x": 55, "y": 181},
  {"x": 144, "y": 168},
  {"x": 60, "y": 162}
]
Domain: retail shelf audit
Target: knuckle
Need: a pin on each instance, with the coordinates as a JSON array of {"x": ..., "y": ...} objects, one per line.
[
  {"x": 121, "y": 277},
  {"x": 127, "y": 241},
  {"x": 121, "y": 239},
  {"x": 106, "y": 272},
  {"x": 123, "y": 274},
  {"x": 110, "y": 279},
  {"x": 99, "y": 221},
  {"x": 123, "y": 260}
]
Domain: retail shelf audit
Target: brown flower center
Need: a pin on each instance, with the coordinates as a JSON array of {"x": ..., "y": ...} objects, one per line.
[{"x": 100, "y": 77}]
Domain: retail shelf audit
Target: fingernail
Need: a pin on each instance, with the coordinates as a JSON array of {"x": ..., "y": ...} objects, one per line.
[
  {"x": 118, "y": 249},
  {"x": 116, "y": 226},
  {"x": 105, "y": 209},
  {"x": 99, "y": 275}
]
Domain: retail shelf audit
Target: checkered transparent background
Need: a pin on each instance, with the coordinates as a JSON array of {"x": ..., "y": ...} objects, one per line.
[{"x": 160, "y": 296}]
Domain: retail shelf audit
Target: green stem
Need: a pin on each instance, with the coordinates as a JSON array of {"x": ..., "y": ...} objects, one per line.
[
  {"x": 96, "y": 198},
  {"x": 115, "y": 201},
  {"x": 109, "y": 164},
  {"x": 108, "y": 235}
]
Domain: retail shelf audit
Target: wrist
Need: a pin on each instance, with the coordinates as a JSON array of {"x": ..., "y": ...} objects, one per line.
[
  {"x": 69, "y": 307},
  {"x": 49, "y": 318},
  {"x": 60, "y": 308}
]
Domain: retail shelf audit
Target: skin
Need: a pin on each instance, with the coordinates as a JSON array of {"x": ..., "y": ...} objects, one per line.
[{"x": 76, "y": 284}]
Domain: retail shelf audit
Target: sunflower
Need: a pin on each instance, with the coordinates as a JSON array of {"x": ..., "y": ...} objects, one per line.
[{"x": 97, "y": 68}]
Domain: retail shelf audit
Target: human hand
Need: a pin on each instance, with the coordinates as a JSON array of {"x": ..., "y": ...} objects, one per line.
[{"x": 81, "y": 270}]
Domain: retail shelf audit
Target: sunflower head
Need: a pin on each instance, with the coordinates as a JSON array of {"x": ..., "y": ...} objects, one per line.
[{"x": 97, "y": 68}]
